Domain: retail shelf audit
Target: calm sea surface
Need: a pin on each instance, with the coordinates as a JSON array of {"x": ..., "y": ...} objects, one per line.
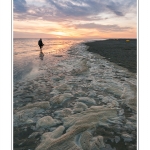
[{"x": 26, "y": 55}]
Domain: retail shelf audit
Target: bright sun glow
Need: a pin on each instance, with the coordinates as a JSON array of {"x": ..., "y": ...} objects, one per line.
[{"x": 59, "y": 33}]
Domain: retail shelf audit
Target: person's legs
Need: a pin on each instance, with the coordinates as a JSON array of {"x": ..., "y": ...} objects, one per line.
[{"x": 40, "y": 47}]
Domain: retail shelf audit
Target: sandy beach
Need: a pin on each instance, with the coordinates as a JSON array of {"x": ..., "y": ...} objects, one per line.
[
  {"x": 83, "y": 101},
  {"x": 119, "y": 51}
]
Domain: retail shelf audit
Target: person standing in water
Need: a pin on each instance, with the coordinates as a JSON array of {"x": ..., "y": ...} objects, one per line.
[{"x": 40, "y": 43}]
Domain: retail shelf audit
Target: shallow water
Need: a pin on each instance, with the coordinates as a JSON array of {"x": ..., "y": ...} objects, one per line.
[
  {"x": 26, "y": 60},
  {"x": 92, "y": 101}
]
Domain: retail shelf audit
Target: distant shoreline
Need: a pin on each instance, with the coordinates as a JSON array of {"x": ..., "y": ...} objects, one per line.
[{"x": 119, "y": 51}]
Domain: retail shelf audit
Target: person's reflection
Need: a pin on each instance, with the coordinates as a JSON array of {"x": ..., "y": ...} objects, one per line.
[{"x": 41, "y": 55}]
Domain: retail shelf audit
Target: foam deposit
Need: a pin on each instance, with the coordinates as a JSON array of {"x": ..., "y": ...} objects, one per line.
[{"x": 81, "y": 101}]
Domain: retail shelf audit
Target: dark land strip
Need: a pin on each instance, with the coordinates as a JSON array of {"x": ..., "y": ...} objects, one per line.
[{"x": 119, "y": 51}]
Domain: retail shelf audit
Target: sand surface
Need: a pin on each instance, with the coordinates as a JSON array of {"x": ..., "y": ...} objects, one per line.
[{"x": 119, "y": 51}]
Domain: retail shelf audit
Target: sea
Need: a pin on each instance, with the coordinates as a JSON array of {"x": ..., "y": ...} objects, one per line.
[{"x": 27, "y": 59}]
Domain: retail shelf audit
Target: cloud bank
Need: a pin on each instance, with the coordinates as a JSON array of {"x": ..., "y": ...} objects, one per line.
[
  {"x": 103, "y": 16},
  {"x": 76, "y": 9}
]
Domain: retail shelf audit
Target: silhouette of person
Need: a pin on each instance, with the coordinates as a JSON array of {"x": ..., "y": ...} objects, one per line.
[
  {"x": 40, "y": 43},
  {"x": 41, "y": 55}
]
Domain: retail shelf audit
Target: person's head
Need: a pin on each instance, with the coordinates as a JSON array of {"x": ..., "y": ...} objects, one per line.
[{"x": 41, "y": 39}]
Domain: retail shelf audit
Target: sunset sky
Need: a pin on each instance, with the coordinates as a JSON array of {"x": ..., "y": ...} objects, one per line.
[{"x": 84, "y": 19}]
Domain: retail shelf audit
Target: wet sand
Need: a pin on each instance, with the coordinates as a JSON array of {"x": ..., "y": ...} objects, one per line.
[{"x": 118, "y": 51}]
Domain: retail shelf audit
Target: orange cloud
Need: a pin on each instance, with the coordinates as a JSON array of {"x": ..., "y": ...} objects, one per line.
[{"x": 63, "y": 30}]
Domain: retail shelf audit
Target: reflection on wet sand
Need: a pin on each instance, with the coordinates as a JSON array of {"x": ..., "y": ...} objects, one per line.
[{"x": 41, "y": 55}]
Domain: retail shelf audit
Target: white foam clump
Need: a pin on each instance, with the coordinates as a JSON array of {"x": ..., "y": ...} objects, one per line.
[
  {"x": 43, "y": 105},
  {"x": 49, "y": 137},
  {"x": 76, "y": 124},
  {"x": 115, "y": 90},
  {"x": 126, "y": 137},
  {"x": 129, "y": 95},
  {"x": 88, "y": 142},
  {"x": 63, "y": 113},
  {"x": 106, "y": 99},
  {"x": 113, "y": 103},
  {"x": 54, "y": 92},
  {"x": 92, "y": 94},
  {"x": 59, "y": 99},
  {"x": 53, "y": 135},
  {"x": 80, "y": 94},
  {"x": 26, "y": 114},
  {"x": 86, "y": 100},
  {"x": 91, "y": 117},
  {"x": 63, "y": 87},
  {"x": 85, "y": 140},
  {"x": 79, "y": 107},
  {"x": 47, "y": 122},
  {"x": 130, "y": 125},
  {"x": 81, "y": 67},
  {"x": 97, "y": 143}
]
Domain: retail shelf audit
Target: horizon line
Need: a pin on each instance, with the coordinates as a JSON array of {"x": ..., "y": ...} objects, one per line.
[{"x": 72, "y": 38}]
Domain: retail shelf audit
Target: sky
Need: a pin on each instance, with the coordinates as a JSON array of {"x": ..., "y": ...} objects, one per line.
[{"x": 75, "y": 19}]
